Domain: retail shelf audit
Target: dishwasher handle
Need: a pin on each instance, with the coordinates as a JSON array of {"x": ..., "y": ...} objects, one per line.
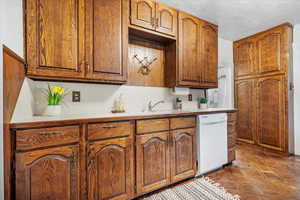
[{"x": 214, "y": 123}]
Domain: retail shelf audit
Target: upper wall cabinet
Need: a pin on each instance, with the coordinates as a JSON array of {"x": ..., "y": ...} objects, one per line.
[
  {"x": 154, "y": 16},
  {"x": 106, "y": 40},
  {"x": 198, "y": 52},
  {"x": 55, "y": 35},
  {"x": 269, "y": 51},
  {"x": 82, "y": 40},
  {"x": 244, "y": 53},
  {"x": 189, "y": 50},
  {"x": 265, "y": 53},
  {"x": 209, "y": 56}
]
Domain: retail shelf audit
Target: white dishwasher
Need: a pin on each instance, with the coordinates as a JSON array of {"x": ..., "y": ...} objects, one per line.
[{"x": 211, "y": 142}]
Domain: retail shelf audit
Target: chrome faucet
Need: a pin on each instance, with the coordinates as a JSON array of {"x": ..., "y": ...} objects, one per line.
[{"x": 151, "y": 107}]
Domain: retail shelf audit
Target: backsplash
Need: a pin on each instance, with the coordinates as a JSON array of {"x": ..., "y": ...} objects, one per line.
[{"x": 98, "y": 98}]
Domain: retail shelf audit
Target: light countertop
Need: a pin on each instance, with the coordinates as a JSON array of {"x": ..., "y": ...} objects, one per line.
[{"x": 117, "y": 116}]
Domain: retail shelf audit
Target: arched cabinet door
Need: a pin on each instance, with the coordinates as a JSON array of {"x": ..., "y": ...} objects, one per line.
[
  {"x": 143, "y": 13},
  {"x": 189, "y": 36},
  {"x": 183, "y": 155},
  {"x": 271, "y": 113},
  {"x": 209, "y": 59},
  {"x": 48, "y": 174},
  {"x": 244, "y": 54},
  {"x": 152, "y": 162},
  {"x": 245, "y": 103},
  {"x": 269, "y": 52},
  {"x": 166, "y": 19},
  {"x": 109, "y": 172}
]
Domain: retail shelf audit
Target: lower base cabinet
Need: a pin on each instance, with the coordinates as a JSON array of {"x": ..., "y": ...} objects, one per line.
[
  {"x": 183, "y": 162},
  {"x": 48, "y": 174},
  {"x": 152, "y": 162},
  {"x": 109, "y": 161},
  {"x": 110, "y": 169}
]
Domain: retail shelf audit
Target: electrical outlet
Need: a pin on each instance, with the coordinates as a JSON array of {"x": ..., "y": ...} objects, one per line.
[{"x": 75, "y": 96}]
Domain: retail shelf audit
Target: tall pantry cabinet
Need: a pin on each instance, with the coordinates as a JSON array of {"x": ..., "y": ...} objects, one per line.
[{"x": 262, "y": 81}]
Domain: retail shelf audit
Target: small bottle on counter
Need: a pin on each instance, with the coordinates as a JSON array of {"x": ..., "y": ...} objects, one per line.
[{"x": 178, "y": 104}]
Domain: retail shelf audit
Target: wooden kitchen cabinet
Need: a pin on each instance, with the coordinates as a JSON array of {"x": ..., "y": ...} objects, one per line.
[
  {"x": 107, "y": 40},
  {"x": 110, "y": 169},
  {"x": 232, "y": 136},
  {"x": 189, "y": 50},
  {"x": 271, "y": 113},
  {"x": 55, "y": 38},
  {"x": 245, "y": 58},
  {"x": 152, "y": 162},
  {"x": 209, "y": 55},
  {"x": 262, "y": 75},
  {"x": 269, "y": 51},
  {"x": 245, "y": 103},
  {"x": 77, "y": 40},
  {"x": 52, "y": 173},
  {"x": 183, "y": 155},
  {"x": 166, "y": 19},
  {"x": 197, "y": 52},
  {"x": 154, "y": 16},
  {"x": 143, "y": 13}
]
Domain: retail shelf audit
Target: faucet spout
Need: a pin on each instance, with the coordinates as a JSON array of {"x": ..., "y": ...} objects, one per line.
[{"x": 151, "y": 107}]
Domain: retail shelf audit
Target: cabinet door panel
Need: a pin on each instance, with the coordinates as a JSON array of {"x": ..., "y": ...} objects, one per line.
[
  {"x": 143, "y": 13},
  {"x": 183, "y": 164},
  {"x": 245, "y": 114},
  {"x": 166, "y": 19},
  {"x": 48, "y": 174},
  {"x": 106, "y": 40},
  {"x": 110, "y": 167},
  {"x": 244, "y": 53},
  {"x": 209, "y": 58},
  {"x": 269, "y": 52},
  {"x": 153, "y": 164},
  {"x": 188, "y": 50},
  {"x": 54, "y": 38},
  {"x": 271, "y": 112}
]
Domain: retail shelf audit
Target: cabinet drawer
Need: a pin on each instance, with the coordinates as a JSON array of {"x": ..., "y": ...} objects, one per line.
[
  {"x": 152, "y": 125},
  {"x": 44, "y": 137},
  {"x": 182, "y": 122},
  {"x": 109, "y": 130},
  {"x": 231, "y": 117}
]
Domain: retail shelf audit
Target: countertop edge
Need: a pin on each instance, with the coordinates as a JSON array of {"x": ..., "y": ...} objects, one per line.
[{"x": 24, "y": 125}]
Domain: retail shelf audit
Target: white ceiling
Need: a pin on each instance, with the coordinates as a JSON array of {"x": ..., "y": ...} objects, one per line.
[{"x": 240, "y": 18}]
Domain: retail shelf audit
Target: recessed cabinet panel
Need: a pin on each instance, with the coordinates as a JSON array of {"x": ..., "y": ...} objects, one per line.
[
  {"x": 271, "y": 112},
  {"x": 244, "y": 58},
  {"x": 48, "y": 174},
  {"x": 110, "y": 169},
  {"x": 54, "y": 35},
  {"x": 106, "y": 41},
  {"x": 245, "y": 114},
  {"x": 269, "y": 52},
  {"x": 143, "y": 13}
]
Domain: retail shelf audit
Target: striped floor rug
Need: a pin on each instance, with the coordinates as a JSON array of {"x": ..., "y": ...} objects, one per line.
[{"x": 202, "y": 188}]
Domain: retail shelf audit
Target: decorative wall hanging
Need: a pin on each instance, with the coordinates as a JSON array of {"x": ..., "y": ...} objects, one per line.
[{"x": 145, "y": 65}]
